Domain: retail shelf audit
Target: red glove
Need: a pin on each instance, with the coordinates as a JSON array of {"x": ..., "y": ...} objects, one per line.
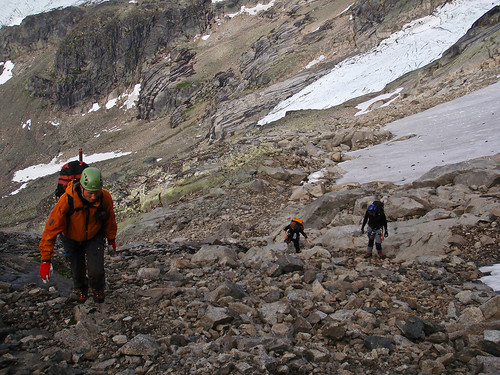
[
  {"x": 112, "y": 244},
  {"x": 45, "y": 271}
]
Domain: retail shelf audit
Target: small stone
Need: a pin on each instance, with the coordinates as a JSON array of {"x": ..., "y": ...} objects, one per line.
[{"x": 119, "y": 339}]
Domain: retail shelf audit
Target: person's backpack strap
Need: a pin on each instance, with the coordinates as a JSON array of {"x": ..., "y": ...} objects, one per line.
[
  {"x": 71, "y": 204},
  {"x": 100, "y": 212}
]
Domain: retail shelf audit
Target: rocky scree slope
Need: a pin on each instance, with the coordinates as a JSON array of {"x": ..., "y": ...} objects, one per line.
[
  {"x": 236, "y": 302},
  {"x": 223, "y": 307}
]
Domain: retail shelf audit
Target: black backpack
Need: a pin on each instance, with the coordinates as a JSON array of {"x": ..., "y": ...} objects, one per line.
[
  {"x": 379, "y": 206},
  {"x": 71, "y": 171}
]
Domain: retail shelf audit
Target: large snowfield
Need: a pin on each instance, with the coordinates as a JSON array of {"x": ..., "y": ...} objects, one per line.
[
  {"x": 456, "y": 131},
  {"x": 460, "y": 130}
]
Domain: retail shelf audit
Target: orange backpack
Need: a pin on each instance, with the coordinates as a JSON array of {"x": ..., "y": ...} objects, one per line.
[{"x": 299, "y": 221}]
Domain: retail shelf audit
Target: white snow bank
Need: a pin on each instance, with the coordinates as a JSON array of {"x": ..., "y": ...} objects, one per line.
[
  {"x": 493, "y": 279},
  {"x": 95, "y": 108},
  {"x": 129, "y": 99},
  {"x": 315, "y": 61},
  {"x": 14, "y": 11},
  {"x": 365, "y": 107},
  {"x": 26, "y": 124},
  {"x": 7, "y": 71},
  {"x": 41, "y": 170},
  {"x": 132, "y": 98},
  {"x": 252, "y": 11},
  {"x": 463, "y": 129}
]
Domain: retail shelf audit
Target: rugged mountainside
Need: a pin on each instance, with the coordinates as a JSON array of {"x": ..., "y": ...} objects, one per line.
[{"x": 202, "y": 282}]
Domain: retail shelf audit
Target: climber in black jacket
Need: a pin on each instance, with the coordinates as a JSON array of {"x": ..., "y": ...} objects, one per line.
[{"x": 375, "y": 217}]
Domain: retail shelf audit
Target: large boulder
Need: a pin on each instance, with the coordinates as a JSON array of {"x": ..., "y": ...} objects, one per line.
[
  {"x": 321, "y": 212},
  {"x": 342, "y": 238},
  {"x": 481, "y": 171},
  {"x": 403, "y": 208},
  {"x": 219, "y": 254},
  {"x": 423, "y": 236}
]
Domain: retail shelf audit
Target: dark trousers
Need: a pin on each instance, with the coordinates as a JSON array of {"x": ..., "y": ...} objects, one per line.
[
  {"x": 374, "y": 236},
  {"x": 86, "y": 257},
  {"x": 295, "y": 242}
]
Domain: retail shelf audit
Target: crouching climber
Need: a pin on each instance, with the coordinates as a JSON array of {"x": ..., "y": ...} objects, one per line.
[{"x": 293, "y": 231}]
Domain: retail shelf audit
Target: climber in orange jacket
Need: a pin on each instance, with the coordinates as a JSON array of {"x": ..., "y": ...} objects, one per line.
[{"x": 84, "y": 217}]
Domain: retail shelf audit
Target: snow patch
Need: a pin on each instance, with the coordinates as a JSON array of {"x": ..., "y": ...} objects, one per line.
[
  {"x": 315, "y": 61},
  {"x": 345, "y": 10},
  {"x": 452, "y": 132},
  {"x": 95, "y": 108},
  {"x": 132, "y": 98},
  {"x": 54, "y": 123},
  {"x": 364, "y": 107},
  {"x": 111, "y": 103},
  {"x": 27, "y": 124},
  {"x": 129, "y": 99},
  {"x": 316, "y": 177},
  {"x": 23, "y": 186},
  {"x": 14, "y": 11},
  {"x": 112, "y": 130},
  {"x": 252, "y": 11},
  {"x": 42, "y": 170},
  {"x": 7, "y": 71},
  {"x": 493, "y": 279}
]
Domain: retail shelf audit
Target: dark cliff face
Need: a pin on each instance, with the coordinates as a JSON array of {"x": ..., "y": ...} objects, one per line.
[
  {"x": 108, "y": 45},
  {"x": 37, "y": 31}
]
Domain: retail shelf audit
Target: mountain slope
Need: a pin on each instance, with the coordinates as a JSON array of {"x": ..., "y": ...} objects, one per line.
[
  {"x": 200, "y": 89},
  {"x": 202, "y": 282}
]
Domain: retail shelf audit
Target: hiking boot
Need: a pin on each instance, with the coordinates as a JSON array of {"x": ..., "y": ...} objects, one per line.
[
  {"x": 368, "y": 255},
  {"x": 81, "y": 296},
  {"x": 380, "y": 255},
  {"x": 98, "y": 296}
]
